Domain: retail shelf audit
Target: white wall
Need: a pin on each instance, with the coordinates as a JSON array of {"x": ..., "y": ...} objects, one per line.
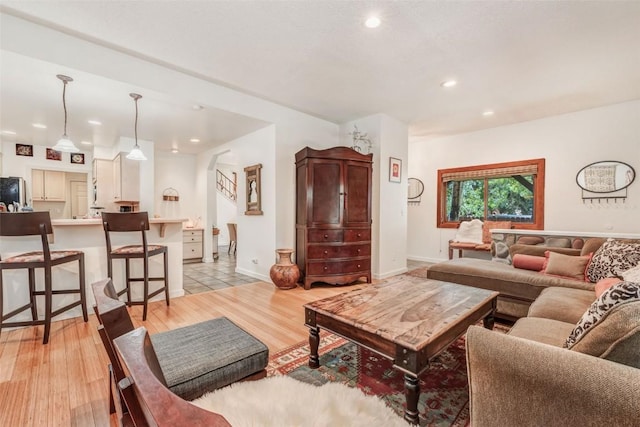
[
  {"x": 177, "y": 171},
  {"x": 256, "y": 233},
  {"x": 568, "y": 142},
  {"x": 389, "y": 222}
]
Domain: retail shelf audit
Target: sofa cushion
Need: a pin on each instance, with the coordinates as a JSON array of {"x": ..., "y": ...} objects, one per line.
[
  {"x": 613, "y": 258},
  {"x": 220, "y": 353},
  {"x": 610, "y": 328},
  {"x": 539, "y": 250},
  {"x": 558, "y": 242},
  {"x": 591, "y": 245},
  {"x": 562, "y": 304},
  {"x": 571, "y": 267},
  {"x": 546, "y": 331},
  {"x": 522, "y": 284}
]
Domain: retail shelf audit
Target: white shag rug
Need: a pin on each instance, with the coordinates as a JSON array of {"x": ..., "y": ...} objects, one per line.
[{"x": 283, "y": 401}]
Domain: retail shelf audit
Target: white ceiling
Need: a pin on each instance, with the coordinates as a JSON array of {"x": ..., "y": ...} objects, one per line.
[{"x": 524, "y": 60}]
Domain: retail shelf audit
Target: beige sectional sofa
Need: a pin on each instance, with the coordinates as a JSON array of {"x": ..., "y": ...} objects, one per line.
[
  {"x": 570, "y": 359},
  {"x": 527, "y": 378},
  {"x": 518, "y": 287}
]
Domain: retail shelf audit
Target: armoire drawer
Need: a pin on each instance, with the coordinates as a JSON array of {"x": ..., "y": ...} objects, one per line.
[
  {"x": 342, "y": 251},
  {"x": 320, "y": 235},
  {"x": 357, "y": 235},
  {"x": 338, "y": 267}
]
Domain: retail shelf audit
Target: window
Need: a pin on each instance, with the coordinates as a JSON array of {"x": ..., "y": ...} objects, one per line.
[{"x": 512, "y": 191}]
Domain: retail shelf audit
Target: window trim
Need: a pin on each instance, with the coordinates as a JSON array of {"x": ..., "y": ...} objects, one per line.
[{"x": 538, "y": 203}]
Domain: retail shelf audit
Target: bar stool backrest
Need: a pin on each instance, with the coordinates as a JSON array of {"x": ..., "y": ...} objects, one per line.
[
  {"x": 25, "y": 223},
  {"x": 126, "y": 221}
]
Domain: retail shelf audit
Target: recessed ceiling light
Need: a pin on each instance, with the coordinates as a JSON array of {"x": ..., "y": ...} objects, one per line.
[
  {"x": 448, "y": 83},
  {"x": 94, "y": 122},
  {"x": 174, "y": 150},
  {"x": 194, "y": 140},
  {"x": 39, "y": 126},
  {"x": 487, "y": 113},
  {"x": 372, "y": 22},
  {"x": 8, "y": 132},
  {"x": 197, "y": 107},
  {"x": 86, "y": 142}
]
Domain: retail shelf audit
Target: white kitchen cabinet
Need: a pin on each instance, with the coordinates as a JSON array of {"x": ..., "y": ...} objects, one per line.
[
  {"x": 102, "y": 182},
  {"x": 126, "y": 179},
  {"x": 192, "y": 244},
  {"x": 48, "y": 186}
]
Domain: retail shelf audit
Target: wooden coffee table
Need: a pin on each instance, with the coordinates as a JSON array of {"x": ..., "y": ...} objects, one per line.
[{"x": 409, "y": 320}]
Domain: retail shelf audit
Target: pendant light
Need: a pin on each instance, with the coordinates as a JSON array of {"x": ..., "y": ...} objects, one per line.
[
  {"x": 64, "y": 143},
  {"x": 136, "y": 153}
]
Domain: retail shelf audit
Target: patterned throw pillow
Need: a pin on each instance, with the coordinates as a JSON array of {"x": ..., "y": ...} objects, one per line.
[
  {"x": 613, "y": 258},
  {"x": 622, "y": 293}
]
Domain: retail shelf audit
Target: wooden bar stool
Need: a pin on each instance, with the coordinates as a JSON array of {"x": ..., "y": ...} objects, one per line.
[
  {"x": 32, "y": 224},
  {"x": 132, "y": 222}
]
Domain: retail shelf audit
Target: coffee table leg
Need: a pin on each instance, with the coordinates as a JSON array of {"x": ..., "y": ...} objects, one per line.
[
  {"x": 412, "y": 393},
  {"x": 490, "y": 319},
  {"x": 314, "y": 342}
]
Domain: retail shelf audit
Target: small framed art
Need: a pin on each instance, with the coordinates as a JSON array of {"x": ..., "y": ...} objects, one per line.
[
  {"x": 77, "y": 158},
  {"x": 254, "y": 201},
  {"x": 53, "y": 154},
  {"x": 24, "y": 150},
  {"x": 395, "y": 169}
]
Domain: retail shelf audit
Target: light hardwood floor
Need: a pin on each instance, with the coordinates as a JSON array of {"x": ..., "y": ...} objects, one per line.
[{"x": 65, "y": 382}]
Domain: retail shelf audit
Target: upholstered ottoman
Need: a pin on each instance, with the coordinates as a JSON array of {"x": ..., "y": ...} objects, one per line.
[{"x": 206, "y": 356}]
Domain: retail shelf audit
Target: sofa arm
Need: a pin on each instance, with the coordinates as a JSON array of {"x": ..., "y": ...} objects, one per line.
[{"x": 515, "y": 381}]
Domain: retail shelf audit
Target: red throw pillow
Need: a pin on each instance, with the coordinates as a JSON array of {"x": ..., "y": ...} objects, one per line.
[
  {"x": 567, "y": 266},
  {"x": 605, "y": 284},
  {"x": 528, "y": 262}
]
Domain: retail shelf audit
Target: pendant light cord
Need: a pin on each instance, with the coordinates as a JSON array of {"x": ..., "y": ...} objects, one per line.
[
  {"x": 135, "y": 126},
  {"x": 64, "y": 105}
]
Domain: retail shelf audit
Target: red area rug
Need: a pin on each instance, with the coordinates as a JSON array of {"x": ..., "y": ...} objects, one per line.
[{"x": 444, "y": 395}]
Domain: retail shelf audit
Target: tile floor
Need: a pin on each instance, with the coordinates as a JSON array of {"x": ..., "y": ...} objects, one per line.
[{"x": 201, "y": 277}]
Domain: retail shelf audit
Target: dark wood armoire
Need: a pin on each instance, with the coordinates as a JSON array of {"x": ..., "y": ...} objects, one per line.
[{"x": 333, "y": 215}]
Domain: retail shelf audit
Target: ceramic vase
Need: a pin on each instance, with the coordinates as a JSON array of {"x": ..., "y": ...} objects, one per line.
[{"x": 284, "y": 273}]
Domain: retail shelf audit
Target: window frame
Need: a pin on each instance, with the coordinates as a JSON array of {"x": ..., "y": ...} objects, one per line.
[{"x": 538, "y": 192}]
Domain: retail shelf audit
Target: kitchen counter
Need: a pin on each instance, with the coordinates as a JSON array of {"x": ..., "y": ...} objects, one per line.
[{"x": 87, "y": 235}]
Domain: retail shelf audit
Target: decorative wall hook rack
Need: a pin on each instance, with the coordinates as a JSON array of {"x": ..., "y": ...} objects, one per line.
[{"x": 605, "y": 180}]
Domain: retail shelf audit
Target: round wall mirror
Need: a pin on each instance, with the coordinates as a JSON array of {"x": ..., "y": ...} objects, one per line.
[
  {"x": 416, "y": 188},
  {"x": 605, "y": 177}
]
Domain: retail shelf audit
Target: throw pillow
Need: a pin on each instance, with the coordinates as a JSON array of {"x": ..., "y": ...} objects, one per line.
[
  {"x": 632, "y": 275},
  {"x": 528, "y": 262},
  {"x": 469, "y": 232},
  {"x": 617, "y": 295},
  {"x": 612, "y": 258},
  {"x": 488, "y": 225},
  {"x": 568, "y": 266},
  {"x": 605, "y": 284}
]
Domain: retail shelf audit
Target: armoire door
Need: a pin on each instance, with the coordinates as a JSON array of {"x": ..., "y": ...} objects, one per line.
[
  {"x": 357, "y": 185},
  {"x": 326, "y": 192}
]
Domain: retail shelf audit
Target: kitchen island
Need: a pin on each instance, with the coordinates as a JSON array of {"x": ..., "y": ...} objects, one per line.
[{"x": 87, "y": 235}]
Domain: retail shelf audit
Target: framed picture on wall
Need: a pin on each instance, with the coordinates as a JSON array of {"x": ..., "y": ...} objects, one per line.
[
  {"x": 53, "y": 154},
  {"x": 395, "y": 169},
  {"x": 77, "y": 158},
  {"x": 254, "y": 201},
  {"x": 24, "y": 150}
]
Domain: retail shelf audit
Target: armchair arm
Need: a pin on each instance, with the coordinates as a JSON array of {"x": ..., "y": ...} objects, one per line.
[{"x": 514, "y": 381}]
